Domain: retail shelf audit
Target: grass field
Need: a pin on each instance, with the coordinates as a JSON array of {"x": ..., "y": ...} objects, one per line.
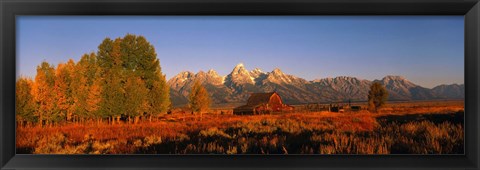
[{"x": 433, "y": 127}]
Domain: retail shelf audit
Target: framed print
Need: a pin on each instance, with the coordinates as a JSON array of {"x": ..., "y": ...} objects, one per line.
[{"x": 253, "y": 84}]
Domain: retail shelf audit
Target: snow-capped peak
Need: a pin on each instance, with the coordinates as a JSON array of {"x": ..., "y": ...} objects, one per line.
[
  {"x": 277, "y": 71},
  {"x": 255, "y": 73},
  {"x": 239, "y": 65},
  {"x": 390, "y": 79},
  {"x": 240, "y": 69},
  {"x": 257, "y": 70},
  {"x": 393, "y": 77},
  {"x": 236, "y": 87},
  {"x": 180, "y": 79},
  {"x": 239, "y": 75},
  {"x": 185, "y": 74},
  {"x": 277, "y": 76},
  {"x": 397, "y": 83},
  {"x": 212, "y": 72}
]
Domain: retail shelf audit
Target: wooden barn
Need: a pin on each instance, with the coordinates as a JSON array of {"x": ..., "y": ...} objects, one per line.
[{"x": 263, "y": 103}]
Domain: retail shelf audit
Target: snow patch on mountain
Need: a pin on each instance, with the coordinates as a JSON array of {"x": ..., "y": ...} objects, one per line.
[{"x": 239, "y": 83}]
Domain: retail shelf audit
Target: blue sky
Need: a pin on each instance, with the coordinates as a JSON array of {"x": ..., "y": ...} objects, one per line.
[{"x": 427, "y": 50}]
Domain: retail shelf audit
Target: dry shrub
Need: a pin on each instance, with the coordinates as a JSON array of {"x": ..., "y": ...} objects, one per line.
[{"x": 296, "y": 133}]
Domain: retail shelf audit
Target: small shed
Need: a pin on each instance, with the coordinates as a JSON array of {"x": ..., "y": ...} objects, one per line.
[{"x": 263, "y": 103}]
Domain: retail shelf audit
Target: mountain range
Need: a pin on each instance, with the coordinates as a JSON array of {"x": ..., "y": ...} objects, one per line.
[{"x": 236, "y": 87}]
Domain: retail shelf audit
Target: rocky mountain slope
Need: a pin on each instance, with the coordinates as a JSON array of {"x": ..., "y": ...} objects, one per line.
[{"x": 236, "y": 87}]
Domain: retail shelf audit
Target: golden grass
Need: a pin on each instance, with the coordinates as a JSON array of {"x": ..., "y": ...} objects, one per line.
[{"x": 295, "y": 133}]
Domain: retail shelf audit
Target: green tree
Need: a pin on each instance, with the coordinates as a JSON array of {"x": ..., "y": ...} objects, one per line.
[
  {"x": 24, "y": 101},
  {"x": 139, "y": 56},
  {"x": 104, "y": 55},
  {"x": 198, "y": 99},
  {"x": 112, "y": 104},
  {"x": 113, "y": 96},
  {"x": 129, "y": 56},
  {"x": 159, "y": 96},
  {"x": 86, "y": 73},
  {"x": 124, "y": 78},
  {"x": 136, "y": 97},
  {"x": 377, "y": 96}
]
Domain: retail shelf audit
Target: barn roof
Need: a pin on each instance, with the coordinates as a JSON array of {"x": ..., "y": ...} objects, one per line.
[
  {"x": 259, "y": 98},
  {"x": 255, "y": 100}
]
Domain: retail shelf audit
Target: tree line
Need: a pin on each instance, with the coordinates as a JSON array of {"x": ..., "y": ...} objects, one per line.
[{"x": 122, "y": 80}]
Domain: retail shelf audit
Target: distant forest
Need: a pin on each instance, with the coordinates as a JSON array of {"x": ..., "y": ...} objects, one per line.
[{"x": 122, "y": 80}]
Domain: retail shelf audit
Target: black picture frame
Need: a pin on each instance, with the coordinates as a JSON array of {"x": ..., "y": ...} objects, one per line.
[{"x": 9, "y": 9}]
